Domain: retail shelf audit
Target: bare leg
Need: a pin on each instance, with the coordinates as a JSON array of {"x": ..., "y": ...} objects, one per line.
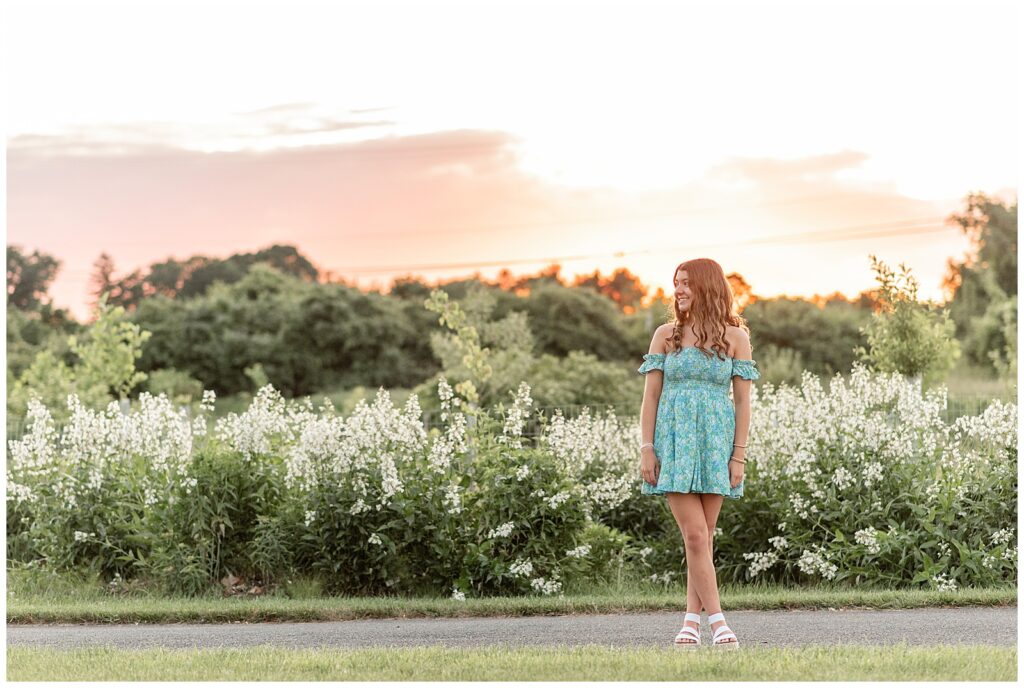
[
  {"x": 688, "y": 510},
  {"x": 712, "y": 504}
]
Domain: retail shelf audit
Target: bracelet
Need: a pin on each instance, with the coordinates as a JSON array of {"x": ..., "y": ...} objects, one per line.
[
  {"x": 736, "y": 460},
  {"x": 646, "y": 445},
  {"x": 738, "y": 445}
]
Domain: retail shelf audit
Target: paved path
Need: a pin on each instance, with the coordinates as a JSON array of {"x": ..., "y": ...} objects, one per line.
[{"x": 927, "y": 626}]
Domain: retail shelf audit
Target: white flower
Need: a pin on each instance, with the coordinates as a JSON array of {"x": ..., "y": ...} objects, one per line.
[
  {"x": 761, "y": 561},
  {"x": 842, "y": 478},
  {"x": 209, "y": 397},
  {"x": 375, "y": 539},
  {"x": 546, "y": 586},
  {"x": 555, "y": 500},
  {"x": 869, "y": 537},
  {"x": 457, "y": 595},
  {"x": 665, "y": 577},
  {"x": 1002, "y": 535},
  {"x": 815, "y": 563},
  {"x": 453, "y": 499},
  {"x": 872, "y": 473},
  {"x": 504, "y": 530},
  {"x": 578, "y": 552},
  {"x": 310, "y": 515},
  {"x": 521, "y": 567},
  {"x": 942, "y": 582},
  {"x": 516, "y": 417}
]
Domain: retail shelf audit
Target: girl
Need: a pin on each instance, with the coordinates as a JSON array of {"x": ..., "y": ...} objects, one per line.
[{"x": 693, "y": 437}]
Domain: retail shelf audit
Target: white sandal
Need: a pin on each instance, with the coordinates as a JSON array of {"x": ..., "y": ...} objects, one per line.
[
  {"x": 689, "y": 636},
  {"x": 722, "y": 633}
]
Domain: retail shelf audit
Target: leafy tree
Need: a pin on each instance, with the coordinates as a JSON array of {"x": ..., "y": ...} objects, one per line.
[
  {"x": 564, "y": 319},
  {"x": 32, "y": 331},
  {"x": 194, "y": 276},
  {"x": 102, "y": 279},
  {"x": 983, "y": 285},
  {"x": 486, "y": 359},
  {"x": 819, "y": 339},
  {"x": 905, "y": 336},
  {"x": 29, "y": 277},
  {"x": 623, "y": 288},
  {"x": 104, "y": 368},
  {"x": 108, "y": 352},
  {"x": 305, "y": 336}
]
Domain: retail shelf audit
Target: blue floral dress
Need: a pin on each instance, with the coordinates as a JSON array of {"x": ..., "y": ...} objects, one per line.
[{"x": 696, "y": 421}]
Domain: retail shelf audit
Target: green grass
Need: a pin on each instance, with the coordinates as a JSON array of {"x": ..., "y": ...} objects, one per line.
[
  {"x": 89, "y": 605},
  {"x": 586, "y": 663}
]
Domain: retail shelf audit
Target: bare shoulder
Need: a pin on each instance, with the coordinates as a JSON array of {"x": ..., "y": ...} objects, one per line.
[
  {"x": 660, "y": 336},
  {"x": 738, "y": 340}
]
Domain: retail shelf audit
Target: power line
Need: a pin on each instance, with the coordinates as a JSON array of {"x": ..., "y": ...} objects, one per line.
[{"x": 803, "y": 237}]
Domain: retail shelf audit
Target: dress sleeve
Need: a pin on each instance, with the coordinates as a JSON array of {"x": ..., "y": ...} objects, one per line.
[
  {"x": 746, "y": 368},
  {"x": 652, "y": 362}
]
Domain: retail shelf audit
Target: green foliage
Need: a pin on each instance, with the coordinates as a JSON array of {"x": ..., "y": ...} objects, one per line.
[
  {"x": 790, "y": 335},
  {"x": 196, "y": 275},
  {"x": 985, "y": 284},
  {"x": 104, "y": 370},
  {"x": 782, "y": 365},
  {"x": 541, "y": 532},
  {"x": 464, "y": 353},
  {"x": 949, "y": 506},
  {"x": 992, "y": 336},
  {"x": 108, "y": 352},
  {"x": 493, "y": 357},
  {"x": 580, "y": 379},
  {"x": 29, "y": 332},
  {"x": 565, "y": 319},
  {"x": 180, "y": 387},
  {"x": 51, "y": 381},
  {"x": 906, "y": 336},
  {"x": 305, "y": 336},
  {"x": 257, "y": 375},
  {"x": 608, "y": 547},
  {"x": 218, "y": 511},
  {"x": 1005, "y": 359}
]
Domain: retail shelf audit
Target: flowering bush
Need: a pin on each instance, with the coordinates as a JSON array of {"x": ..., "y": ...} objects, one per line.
[
  {"x": 864, "y": 483},
  {"x": 867, "y": 482}
]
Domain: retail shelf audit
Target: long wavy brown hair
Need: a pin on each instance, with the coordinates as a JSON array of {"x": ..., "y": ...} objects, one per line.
[{"x": 712, "y": 308}]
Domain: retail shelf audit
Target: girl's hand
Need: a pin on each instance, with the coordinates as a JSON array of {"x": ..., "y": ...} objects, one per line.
[
  {"x": 736, "y": 470},
  {"x": 650, "y": 466}
]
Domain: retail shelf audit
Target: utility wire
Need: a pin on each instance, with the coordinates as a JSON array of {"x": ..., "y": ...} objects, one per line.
[
  {"x": 803, "y": 237},
  {"x": 892, "y": 228}
]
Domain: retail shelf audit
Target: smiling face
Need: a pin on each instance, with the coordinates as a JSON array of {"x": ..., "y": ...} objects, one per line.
[{"x": 683, "y": 295}]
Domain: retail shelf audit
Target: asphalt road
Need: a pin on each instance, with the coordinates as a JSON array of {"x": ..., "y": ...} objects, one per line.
[{"x": 926, "y": 626}]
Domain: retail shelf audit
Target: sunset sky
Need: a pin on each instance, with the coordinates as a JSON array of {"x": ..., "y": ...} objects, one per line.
[{"x": 389, "y": 139}]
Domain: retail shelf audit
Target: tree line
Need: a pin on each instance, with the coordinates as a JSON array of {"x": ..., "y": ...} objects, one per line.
[{"x": 233, "y": 324}]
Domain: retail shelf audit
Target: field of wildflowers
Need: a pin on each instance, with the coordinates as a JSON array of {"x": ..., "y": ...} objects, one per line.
[{"x": 865, "y": 483}]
